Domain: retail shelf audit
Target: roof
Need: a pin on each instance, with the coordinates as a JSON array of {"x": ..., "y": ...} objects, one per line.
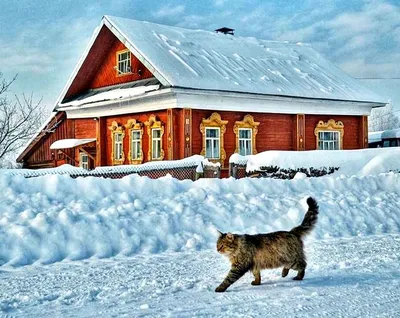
[
  {"x": 52, "y": 122},
  {"x": 375, "y": 136},
  {"x": 391, "y": 133},
  {"x": 212, "y": 61},
  {"x": 206, "y": 60},
  {"x": 114, "y": 92},
  {"x": 70, "y": 143}
]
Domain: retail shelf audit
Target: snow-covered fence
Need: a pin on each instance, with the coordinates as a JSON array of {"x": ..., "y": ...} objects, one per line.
[
  {"x": 237, "y": 166},
  {"x": 187, "y": 168}
]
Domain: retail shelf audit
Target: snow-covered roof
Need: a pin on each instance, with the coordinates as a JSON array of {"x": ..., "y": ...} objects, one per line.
[
  {"x": 391, "y": 133},
  {"x": 212, "y": 61},
  {"x": 115, "y": 92},
  {"x": 70, "y": 143},
  {"x": 375, "y": 136}
]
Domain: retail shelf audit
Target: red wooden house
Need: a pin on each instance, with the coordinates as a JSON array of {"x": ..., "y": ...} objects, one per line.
[{"x": 144, "y": 92}]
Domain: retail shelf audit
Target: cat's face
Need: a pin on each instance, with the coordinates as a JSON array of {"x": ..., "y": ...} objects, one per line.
[{"x": 226, "y": 243}]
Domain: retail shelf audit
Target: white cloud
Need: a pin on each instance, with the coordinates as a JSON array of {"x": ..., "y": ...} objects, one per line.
[{"x": 169, "y": 11}]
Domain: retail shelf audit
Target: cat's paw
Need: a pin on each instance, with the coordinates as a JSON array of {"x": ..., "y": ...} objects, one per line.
[
  {"x": 285, "y": 272},
  {"x": 220, "y": 289},
  {"x": 255, "y": 283}
]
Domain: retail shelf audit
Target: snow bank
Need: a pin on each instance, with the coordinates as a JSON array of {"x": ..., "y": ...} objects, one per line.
[
  {"x": 49, "y": 219},
  {"x": 361, "y": 162}
]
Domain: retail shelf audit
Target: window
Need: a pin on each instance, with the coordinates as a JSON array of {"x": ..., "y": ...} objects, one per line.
[
  {"x": 136, "y": 145},
  {"x": 83, "y": 160},
  {"x": 328, "y": 140},
  {"x": 213, "y": 130},
  {"x": 246, "y": 131},
  {"x": 123, "y": 62},
  {"x": 117, "y": 141},
  {"x": 156, "y": 143},
  {"x": 245, "y": 147},
  {"x": 329, "y": 135},
  {"x": 390, "y": 143},
  {"x": 117, "y": 146},
  {"x": 155, "y": 131},
  {"x": 212, "y": 143},
  {"x": 135, "y": 132}
]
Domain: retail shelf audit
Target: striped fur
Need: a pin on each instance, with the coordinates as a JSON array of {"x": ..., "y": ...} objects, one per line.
[{"x": 261, "y": 251}]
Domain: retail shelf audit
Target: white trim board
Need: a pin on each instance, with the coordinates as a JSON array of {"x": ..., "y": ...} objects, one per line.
[{"x": 217, "y": 101}]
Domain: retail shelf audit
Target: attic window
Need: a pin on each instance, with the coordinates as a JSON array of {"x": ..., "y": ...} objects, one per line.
[{"x": 123, "y": 62}]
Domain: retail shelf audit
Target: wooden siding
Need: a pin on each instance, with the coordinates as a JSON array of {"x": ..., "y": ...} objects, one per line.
[
  {"x": 352, "y": 126},
  {"x": 275, "y": 132},
  {"x": 142, "y": 118},
  {"x": 107, "y": 75},
  {"x": 41, "y": 155},
  {"x": 98, "y": 68},
  {"x": 85, "y": 128}
]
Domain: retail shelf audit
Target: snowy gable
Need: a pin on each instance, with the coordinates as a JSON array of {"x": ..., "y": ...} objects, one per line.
[{"x": 213, "y": 61}]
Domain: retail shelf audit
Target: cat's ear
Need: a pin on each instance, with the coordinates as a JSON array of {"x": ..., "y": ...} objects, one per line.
[
  {"x": 229, "y": 236},
  {"x": 220, "y": 233}
]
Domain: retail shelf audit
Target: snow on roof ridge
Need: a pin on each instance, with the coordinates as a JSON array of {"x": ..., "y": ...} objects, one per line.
[{"x": 294, "y": 43}]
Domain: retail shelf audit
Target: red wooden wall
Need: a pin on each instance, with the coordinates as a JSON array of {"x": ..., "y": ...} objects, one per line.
[
  {"x": 275, "y": 132},
  {"x": 142, "y": 118},
  {"x": 107, "y": 75},
  {"x": 352, "y": 126},
  {"x": 98, "y": 68},
  {"x": 39, "y": 154}
]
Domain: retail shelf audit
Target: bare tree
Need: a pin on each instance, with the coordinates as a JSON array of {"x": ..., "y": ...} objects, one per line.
[
  {"x": 20, "y": 119},
  {"x": 383, "y": 118}
]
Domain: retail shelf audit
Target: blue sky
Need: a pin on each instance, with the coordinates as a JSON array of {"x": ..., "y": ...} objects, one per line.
[{"x": 42, "y": 40}]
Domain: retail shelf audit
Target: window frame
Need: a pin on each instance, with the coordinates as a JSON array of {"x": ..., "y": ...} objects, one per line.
[
  {"x": 158, "y": 143},
  {"x": 214, "y": 121},
  {"x": 128, "y": 61},
  {"x": 247, "y": 123},
  {"x": 82, "y": 164},
  {"x": 117, "y": 130},
  {"x": 330, "y": 126},
  {"x": 134, "y": 126},
  {"x": 327, "y": 142},
  {"x": 218, "y": 139},
  {"x": 154, "y": 124},
  {"x": 245, "y": 141}
]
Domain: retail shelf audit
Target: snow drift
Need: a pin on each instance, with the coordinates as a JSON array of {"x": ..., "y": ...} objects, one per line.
[
  {"x": 49, "y": 219},
  {"x": 360, "y": 162}
]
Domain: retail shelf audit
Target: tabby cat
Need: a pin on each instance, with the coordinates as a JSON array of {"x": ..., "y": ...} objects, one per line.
[{"x": 256, "y": 252}]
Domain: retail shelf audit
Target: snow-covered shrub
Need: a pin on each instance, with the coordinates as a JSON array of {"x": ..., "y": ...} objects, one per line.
[{"x": 282, "y": 173}]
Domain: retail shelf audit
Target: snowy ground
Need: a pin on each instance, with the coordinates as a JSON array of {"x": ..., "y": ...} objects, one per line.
[
  {"x": 138, "y": 247},
  {"x": 355, "y": 277}
]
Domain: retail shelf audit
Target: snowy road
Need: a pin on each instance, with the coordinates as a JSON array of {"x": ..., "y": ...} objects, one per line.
[{"x": 355, "y": 277}]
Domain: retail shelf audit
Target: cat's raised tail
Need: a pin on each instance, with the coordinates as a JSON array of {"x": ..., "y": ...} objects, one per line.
[{"x": 309, "y": 221}]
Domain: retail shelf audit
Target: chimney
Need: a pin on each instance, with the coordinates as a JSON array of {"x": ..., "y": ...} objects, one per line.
[{"x": 225, "y": 30}]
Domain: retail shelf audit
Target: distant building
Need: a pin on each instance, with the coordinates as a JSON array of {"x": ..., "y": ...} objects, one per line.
[
  {"x": 386, "y": 138},
  {"x": 147, "y": 92}
]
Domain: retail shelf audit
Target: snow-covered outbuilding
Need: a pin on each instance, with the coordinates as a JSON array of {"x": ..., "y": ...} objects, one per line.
[{"x": 145, "y": 92}]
